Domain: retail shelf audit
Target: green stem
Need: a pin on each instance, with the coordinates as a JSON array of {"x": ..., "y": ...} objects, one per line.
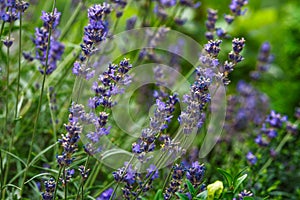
[
  {"x": 157, "y": 164},
  {"x": 105, "y": 188},
  {"x": 118, "y": 183},
  {"x": 19, "y": 67},
  {"x": 56, "y": 182},
  {"x": 2, "y": 28},
  {"x": 277, "y": 150},
  {"x": 39, "y": 104},
  {"x": 1, "y": 170},
  {"x": 6, "y": 110},
  {"x": 53, "y": 125},
  {"x": 65, "y": 180},
  {"x": 82, "y": 180},
  {"x": 17, "y": 98},
  {"x": 94, "y": 175},
  {"x": 168, "y": 177}
]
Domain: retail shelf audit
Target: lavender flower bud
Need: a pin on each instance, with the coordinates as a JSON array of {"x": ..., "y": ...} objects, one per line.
[{"x": 49, "y": 187}]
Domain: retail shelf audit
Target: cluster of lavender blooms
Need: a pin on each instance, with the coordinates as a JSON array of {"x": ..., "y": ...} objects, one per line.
[
  {"x": 210, "y": 60},
  {"x": 194, "y": 174},
  {"x": 162, "y": 6},
  {"x": 119, "y": 6},
  {"x": 212, "y": 17},
  {"x": 95, "y": 32},
  {"x": 272, "y": 126},
  {"x": 49, "y": 189},
  {"x": 109, "y": 84},
  {"x": 69, "y": 141},
  {"x": 263, "y": 61},
  {"x": 245, "y": 110},
  {"x": 199, "y": 95},
  {"x": 236, "y": 10},
  {"x": 66, "y": 178},
  {"x": 10, "y": 11},
  {"x": 134, "y": 182},
  {"x": 159, "y": 122},
  {"x": 56, "y": 49}
]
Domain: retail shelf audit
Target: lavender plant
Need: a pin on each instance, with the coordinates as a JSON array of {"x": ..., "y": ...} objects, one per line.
[{"x": 70, "y": 144}]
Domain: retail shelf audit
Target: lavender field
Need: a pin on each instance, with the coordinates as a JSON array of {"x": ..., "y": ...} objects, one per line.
[{"x": 149, "y": 99}]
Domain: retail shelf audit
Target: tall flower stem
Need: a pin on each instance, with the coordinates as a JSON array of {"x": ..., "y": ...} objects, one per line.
[
  {"x": 56, "y": 182},
  {"x": 39, "y": 104},
  {"x": 19, "y": 67},
  {"x": 82, "y": 180},
  {"x": 17, "y": 95},
  {"x": 53, "y": 126},
  {"x": 93, "y": 175},
  {"x": 286, "y": 138},
  {"x": 1, "y": 31},
  {"x": 168, "y": 177},
  {"x": 65, "y": 180},
  {"x": 116, "y": 188},
  {"x": 6, "y": 107}
]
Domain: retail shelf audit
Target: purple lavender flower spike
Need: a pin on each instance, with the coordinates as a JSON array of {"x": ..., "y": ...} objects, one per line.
[
  {"x": 95, "y": 32},
  {"x": 212, "y": 16},
  {"x": 177, "y": 177},
  {"x": 69, "y": 141},
  {"x": 41, "y": 42},
  {"x": 49, "y": 187},
  {"x": 51, "y": 19},
  {"x": 236, "y": 7},
  {"x": 213, "y": 47},
  {"x": 195, "y": 174}
]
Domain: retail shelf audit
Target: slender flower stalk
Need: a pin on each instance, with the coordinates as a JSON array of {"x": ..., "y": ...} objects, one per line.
[
  {"x": 50, "y": 23},
  {"x": 56, "y": 182},
  {"x": 7, "y": 43},
  {"x": 19, "y": 67},
  {"x": 84, "y": 175}
]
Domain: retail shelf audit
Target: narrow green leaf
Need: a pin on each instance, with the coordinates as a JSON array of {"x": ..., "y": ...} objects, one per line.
[
  {"x": 182, "y": 196},
  {"x": 240, "y": 173},
  {"x": 226, "y": 175},
  {"x": 11, "y": 185},
  {"x": 202, "y": 195},
  {"x": 36, "y": 176},
  {"x": 41, "y": 153},
  {"x": 239, "y": 181},
  {"x": 158, "y": 195},
  {"x": 15, "y": 156},
  {"x": 191, "y": 188}
]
